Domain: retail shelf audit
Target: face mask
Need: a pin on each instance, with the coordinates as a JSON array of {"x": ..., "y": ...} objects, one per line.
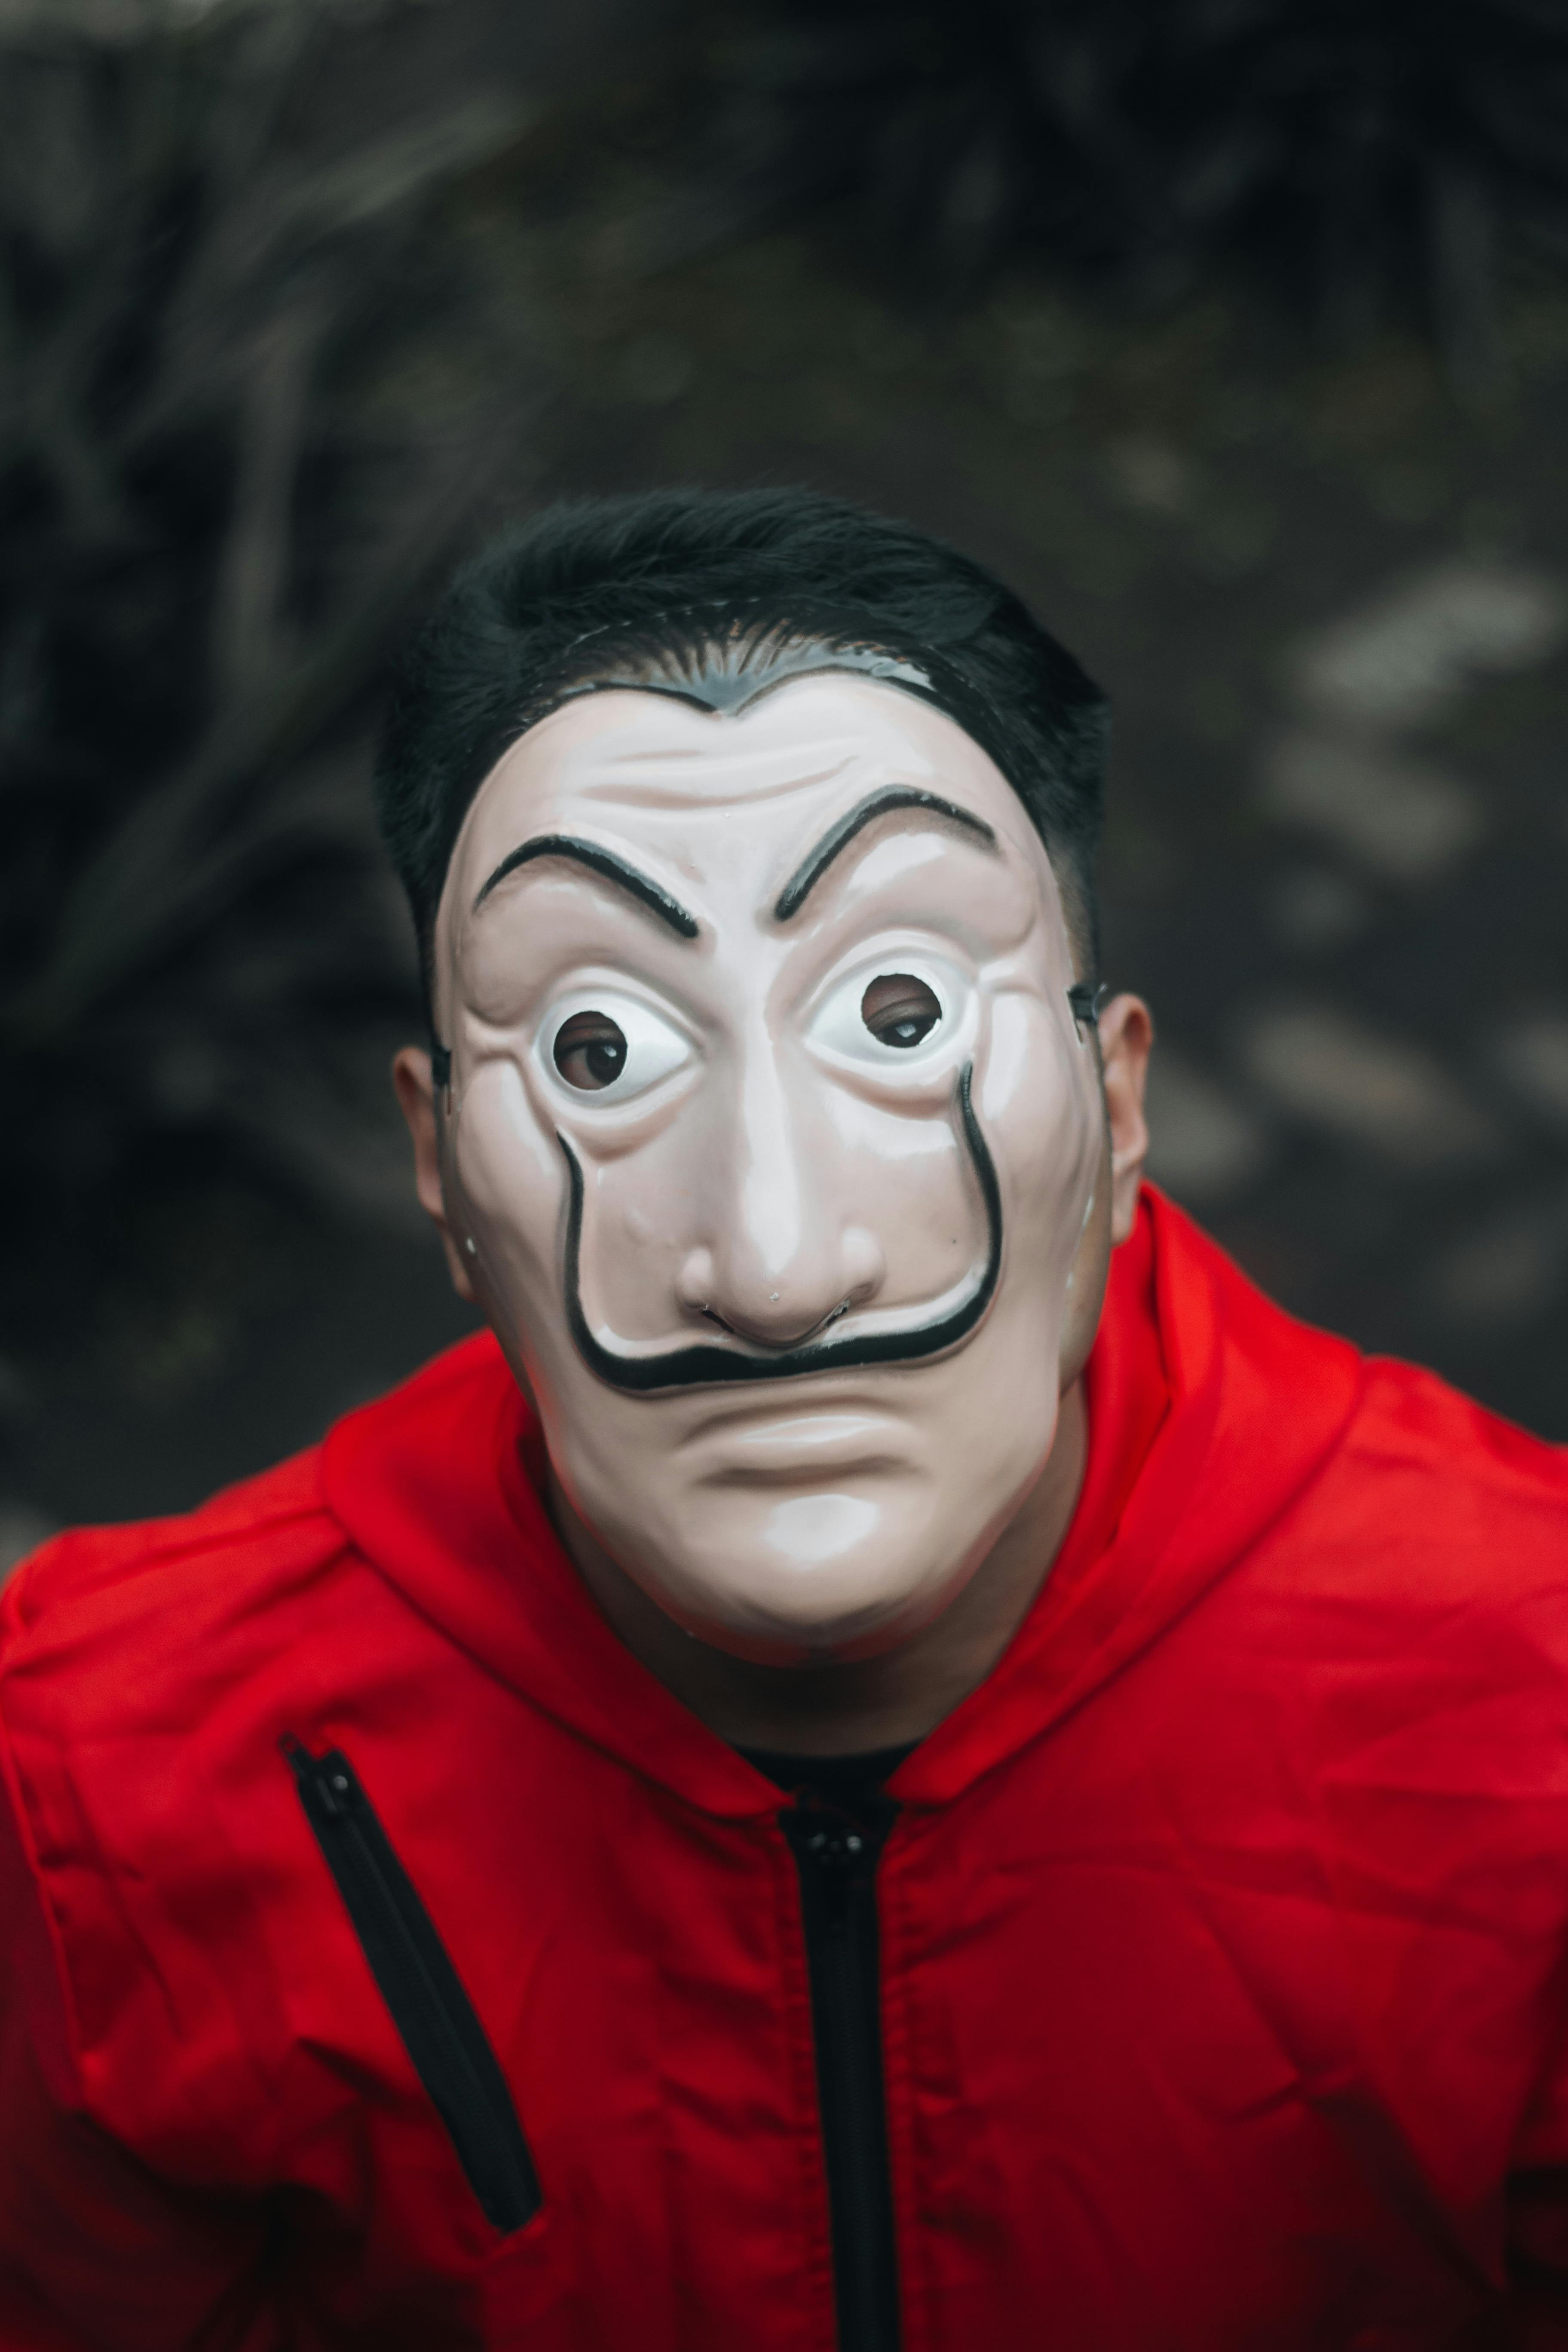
[{"x": 772, "y": 1141}]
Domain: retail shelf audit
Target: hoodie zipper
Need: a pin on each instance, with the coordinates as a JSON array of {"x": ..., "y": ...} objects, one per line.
[
  {"x": 420, "y": 1987},
  {"x": 836, "y": 1854}
]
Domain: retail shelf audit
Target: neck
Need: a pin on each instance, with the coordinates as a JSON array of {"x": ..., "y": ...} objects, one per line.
[{"x": 868, "y": 1703}]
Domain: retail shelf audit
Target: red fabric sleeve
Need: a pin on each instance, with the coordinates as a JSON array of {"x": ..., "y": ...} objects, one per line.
[{"x": 96, "y": 2254}]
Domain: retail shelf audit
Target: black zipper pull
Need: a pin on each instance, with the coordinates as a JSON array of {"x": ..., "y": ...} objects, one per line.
[
  {"x": 326, "y": 1790},
  {"x": 835, "y": 1854},
  {"x": 421, "y": 1987}
]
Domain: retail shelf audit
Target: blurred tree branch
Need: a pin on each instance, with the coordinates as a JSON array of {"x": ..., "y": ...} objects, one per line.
[
  {"x": 1358, "y": 156},
  {"x": 218, "y": 506}
]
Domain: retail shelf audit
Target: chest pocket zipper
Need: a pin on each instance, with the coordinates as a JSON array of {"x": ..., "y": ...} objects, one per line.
[{"x": 420, "y": 1987}]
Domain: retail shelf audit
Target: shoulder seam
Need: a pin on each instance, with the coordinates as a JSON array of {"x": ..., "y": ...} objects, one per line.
[{"x": 190, "y": 1538}]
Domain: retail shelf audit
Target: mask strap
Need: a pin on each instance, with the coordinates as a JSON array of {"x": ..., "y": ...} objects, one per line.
[{"x": 1086, "y": 1001}]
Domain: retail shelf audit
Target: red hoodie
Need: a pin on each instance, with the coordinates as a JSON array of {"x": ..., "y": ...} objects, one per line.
[{"x": 1219, "y": 1938}]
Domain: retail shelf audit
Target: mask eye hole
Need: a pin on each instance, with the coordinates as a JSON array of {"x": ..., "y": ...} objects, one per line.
[
  {"x": 900, "y": 1024},
  {"x": 899, "y": 1010},
  {"x": 590, "y": 1051},
  {"x": 610, "y": 1047}
]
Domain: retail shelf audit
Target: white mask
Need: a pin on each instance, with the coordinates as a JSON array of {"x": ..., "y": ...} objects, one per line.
[{"x": 774, "y": 1140}]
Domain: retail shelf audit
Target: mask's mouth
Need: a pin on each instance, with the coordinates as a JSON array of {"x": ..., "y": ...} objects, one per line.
[{"x": 705, "y": 1366}]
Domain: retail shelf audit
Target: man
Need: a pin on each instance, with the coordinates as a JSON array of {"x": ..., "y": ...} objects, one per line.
[{"x": 893, "y": 1758}]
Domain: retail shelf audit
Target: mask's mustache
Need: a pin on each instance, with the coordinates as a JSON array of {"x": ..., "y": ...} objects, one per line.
[{"x": 704, "y": 1365}]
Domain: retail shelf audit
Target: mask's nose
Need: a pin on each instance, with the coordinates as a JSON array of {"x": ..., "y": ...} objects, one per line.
[{"x": 783, "y": 1255}]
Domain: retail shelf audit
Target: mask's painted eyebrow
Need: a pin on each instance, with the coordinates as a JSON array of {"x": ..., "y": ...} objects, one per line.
[
  {"x": 598, "y": 861},
  {"x": 809, "y": 872}
]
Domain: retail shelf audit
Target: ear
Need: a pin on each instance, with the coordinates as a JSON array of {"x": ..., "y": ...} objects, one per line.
[
  {"x": 416, "y": 1091},
  {"x": 1126, "y": 1035}
]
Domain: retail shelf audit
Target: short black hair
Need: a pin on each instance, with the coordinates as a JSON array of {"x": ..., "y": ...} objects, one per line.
[{"x": 638, "y": 586}]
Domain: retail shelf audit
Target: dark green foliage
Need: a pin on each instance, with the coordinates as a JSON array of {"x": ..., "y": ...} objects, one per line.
[{"x": 1358, "y": 154}]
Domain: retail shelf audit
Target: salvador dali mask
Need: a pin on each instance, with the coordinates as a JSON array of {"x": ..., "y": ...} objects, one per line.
[{"x": 770, "y": 1142}]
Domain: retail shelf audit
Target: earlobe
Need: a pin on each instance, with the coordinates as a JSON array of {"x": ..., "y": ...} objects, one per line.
[
  {"x": 413, "y": 1083},
  {"x": 1126, "y": 1037}
]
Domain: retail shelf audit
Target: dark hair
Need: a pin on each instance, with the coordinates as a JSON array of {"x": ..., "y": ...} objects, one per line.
[{"x": 665, "y": 586}]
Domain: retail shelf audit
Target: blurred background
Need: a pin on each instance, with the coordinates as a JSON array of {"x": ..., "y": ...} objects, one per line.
[{"x": 1233, "y": 332}]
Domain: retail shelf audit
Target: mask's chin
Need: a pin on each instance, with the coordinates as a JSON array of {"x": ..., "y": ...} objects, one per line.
[{"x": 834, "y": 1576}]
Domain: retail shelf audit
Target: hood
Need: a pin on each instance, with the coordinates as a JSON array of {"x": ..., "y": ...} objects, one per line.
[{"x": 1209, "y": 1411}]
